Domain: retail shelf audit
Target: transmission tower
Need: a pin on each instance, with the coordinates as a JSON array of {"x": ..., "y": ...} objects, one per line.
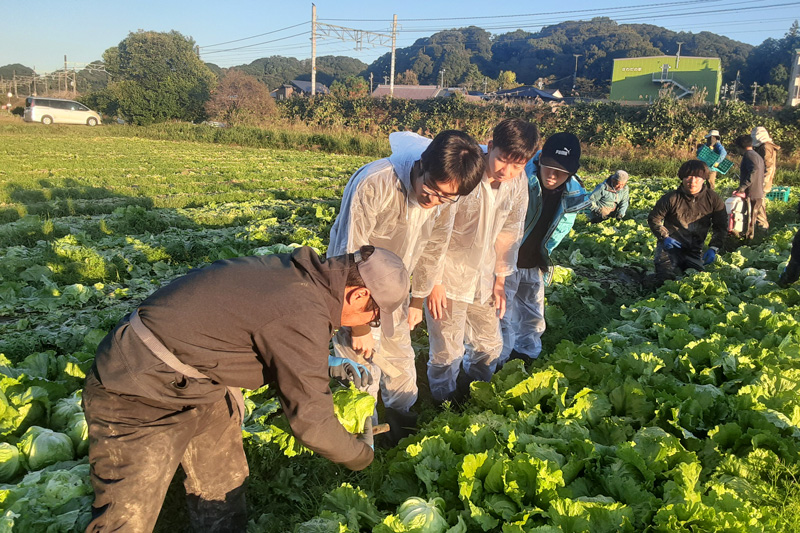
[{"x": 360, "y": 37}]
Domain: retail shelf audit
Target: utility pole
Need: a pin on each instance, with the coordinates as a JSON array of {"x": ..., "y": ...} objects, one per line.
[
  {"x": 313, "y": 49},
  {"x": 370, "y": 83},
  {"x": 735, "y": 86},
  {"x": 485, "y": 81},
  {"x": 66, "y": 75},
  {"x": 755, "y": 91},
  {"x": 442, "y": 74},
  {"x": 394, "y": 43},
  {"x": 348, "y": 34},
  {"x": 678, "y": 57},
  {"x": 575, "y": 74}
]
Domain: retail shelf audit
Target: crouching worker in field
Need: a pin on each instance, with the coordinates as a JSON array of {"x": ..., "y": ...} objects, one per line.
[
  {"x": 403, "y": 203},
  {"x": 680, "y": 220},
  {"x": 555, "y": 197},
  {"x": 792, "y": 271},
  {"x": 468, "y": 304},
  {"x": 611, "y": 198},
  {"x": 165, "y": 387}
]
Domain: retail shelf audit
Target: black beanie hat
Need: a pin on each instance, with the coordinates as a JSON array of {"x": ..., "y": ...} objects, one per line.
[{"x": 562, "y": 151}]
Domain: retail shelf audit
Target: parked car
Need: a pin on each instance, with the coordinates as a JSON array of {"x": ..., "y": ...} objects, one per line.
[{"x": 59, "y": 111}]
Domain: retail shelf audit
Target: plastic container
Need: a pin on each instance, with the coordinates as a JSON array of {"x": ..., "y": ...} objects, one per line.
[
  {"x": 779, "y": 194},
  {"x": 709, "y": 157}
]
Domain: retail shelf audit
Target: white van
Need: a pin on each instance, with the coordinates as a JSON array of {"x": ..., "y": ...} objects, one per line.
[{"x": 57, "y": 110}]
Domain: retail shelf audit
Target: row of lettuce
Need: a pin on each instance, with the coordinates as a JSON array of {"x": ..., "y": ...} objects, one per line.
[
  {"x": 533, "y": 448},
  {"x": 682, "y": 416}
]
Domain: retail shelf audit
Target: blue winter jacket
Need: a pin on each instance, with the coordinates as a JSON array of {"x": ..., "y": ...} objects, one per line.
[{"x": 573, "y": 200}]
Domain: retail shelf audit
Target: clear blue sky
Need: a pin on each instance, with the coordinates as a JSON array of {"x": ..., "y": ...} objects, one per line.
[{"x": 40, "y": 34}]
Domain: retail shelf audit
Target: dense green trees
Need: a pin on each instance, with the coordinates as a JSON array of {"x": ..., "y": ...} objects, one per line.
[{"x": 157, "y": 76}]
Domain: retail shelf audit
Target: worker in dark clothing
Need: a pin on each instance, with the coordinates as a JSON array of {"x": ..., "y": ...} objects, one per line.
[
  {"x": 751, "y": 184},
  {"x": 680, "y": 220},
  {"x": 792, "y": 271},
  {"x": 165, "y": 386}
]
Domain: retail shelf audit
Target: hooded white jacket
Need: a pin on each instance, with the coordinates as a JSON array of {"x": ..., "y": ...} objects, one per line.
[
  {"x": 379, "y": 208},
  {"x": 486, "y": 237}
]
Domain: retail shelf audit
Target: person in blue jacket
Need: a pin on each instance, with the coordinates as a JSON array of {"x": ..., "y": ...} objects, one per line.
[
  {"x": 712, "y": 141},
  {"x": 610, "y": 198},
  {"x": 555, "y": 196}
]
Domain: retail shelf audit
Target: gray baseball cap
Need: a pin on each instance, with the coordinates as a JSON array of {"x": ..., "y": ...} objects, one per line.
[{"x": 388, "y": 282}]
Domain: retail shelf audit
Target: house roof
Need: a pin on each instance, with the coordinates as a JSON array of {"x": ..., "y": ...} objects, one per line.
[
  {"x": 305, "y": 86},
  {"x": 527, "y": 91},
  {"x": 411, "y": 92}
]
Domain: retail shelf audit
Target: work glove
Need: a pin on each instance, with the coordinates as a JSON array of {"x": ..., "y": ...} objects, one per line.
[
  {"x": 366, "y": 437},
  {"x": 670, "y": 243},
  {"x": 344, "y": 369},
  {"x": 710, "y": 256}
]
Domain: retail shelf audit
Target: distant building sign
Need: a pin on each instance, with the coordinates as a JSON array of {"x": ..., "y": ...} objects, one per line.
[{"x": 631, "y": 69}]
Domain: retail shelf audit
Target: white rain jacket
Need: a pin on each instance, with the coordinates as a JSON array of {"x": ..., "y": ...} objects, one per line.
[
  {"x": 380, "y": 208},
  {"x": 487, "y": 233}
]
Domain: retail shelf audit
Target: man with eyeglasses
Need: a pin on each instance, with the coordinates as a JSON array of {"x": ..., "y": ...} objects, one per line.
[
  {"x": 403, "y": 203},
  {"x": 165, "y": 386},
  {"x": 555, "y": 197},
  {"x": 681, "y": 219}
]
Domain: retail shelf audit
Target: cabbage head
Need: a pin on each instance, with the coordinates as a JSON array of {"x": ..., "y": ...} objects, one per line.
[
  {"x": 64, "y": 409},
  {"x": 43, "y": 447},
  {"x": 423, "y": 516},
  {"x": 78, "y": 432},
  {"x": 10, "y": 462}
]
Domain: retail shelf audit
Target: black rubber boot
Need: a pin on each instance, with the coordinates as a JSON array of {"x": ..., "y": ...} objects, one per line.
[{"x": 401, "y": 425}]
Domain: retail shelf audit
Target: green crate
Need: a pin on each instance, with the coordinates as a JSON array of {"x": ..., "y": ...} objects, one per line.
[
  {"x": 709, "y": 157},
  {"x": 779, "y": 194}
]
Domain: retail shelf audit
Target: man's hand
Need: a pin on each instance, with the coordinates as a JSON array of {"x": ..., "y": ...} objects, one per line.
[
  {"x": 710, "y": 256},
  {"x": 437, "y": 301},
  {"x": 499, "y": 295},
  {"x": 415, "y": 312},
  {"x": 739, "y": 194},
  {"x": 366, "y": 437},
  {"x": 345, "y": 369},
  {"x": 362, "y": 339},
  {"x": 670, "y": 243}
]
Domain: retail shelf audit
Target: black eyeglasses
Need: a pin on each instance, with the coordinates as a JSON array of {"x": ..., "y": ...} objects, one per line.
[{"x": 429, "y": 189}]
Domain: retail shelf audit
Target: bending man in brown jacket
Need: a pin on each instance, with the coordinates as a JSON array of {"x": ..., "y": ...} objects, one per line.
[{"x": 164, "y": 389}]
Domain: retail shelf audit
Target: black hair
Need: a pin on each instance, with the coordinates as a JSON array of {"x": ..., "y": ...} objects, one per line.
[
  {"x": 693, "y": 167},
  {"x": 454, "y": 156},
  {"x": 517, "y": 139},
  {"x": 354, "y": 278},
  {"x": 744, "y": 142}
]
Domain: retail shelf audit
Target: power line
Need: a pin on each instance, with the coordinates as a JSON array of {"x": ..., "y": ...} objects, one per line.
[{"x": 256, "y": 36}]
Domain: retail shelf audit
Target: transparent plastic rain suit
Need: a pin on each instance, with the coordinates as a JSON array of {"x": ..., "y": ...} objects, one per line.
[
  {"x": 379, "y": 208},
  {"x": 487, "y": 233}
]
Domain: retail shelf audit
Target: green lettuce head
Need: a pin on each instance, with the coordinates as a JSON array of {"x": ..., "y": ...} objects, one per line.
[{"x": 43, "y": 447}]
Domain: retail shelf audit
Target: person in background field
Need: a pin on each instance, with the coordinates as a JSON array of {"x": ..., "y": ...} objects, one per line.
[
  {"x": 555, "y": 197},
  {"x": 713, "y": 142},
  {"x": 763, "y": 145},
  {"x": 164, "y": 389},
  {"x": 751, "y": 185},
  {"x": 681, "y": 219},
  {"x": 403, "y": 203},
  {"x": 467, "y": 305},
  {"x": 610, "y": 198},
  {"x": 791, "y": 273}
]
